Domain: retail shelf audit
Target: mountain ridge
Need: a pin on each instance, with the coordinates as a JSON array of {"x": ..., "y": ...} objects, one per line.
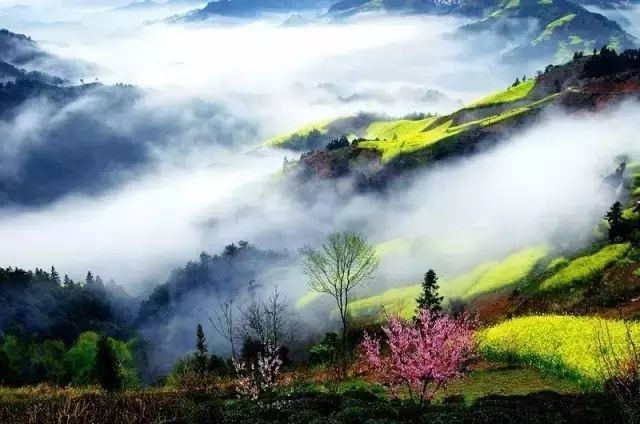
[{"x": 380, "y": 151}]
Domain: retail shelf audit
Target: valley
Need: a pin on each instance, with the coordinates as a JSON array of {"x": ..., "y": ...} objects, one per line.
[{"x": 321, "y": 212}]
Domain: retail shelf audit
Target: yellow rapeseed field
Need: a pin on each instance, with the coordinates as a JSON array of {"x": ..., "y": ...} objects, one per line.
[{"x": 564, "y": 345}]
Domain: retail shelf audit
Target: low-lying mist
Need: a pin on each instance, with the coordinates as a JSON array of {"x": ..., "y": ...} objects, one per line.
[
  {"x": 285, "y": 77},
  {"x": 542, "y": 184}
]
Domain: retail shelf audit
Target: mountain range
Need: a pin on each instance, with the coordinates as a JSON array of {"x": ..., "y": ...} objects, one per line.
[{"x": 547, "y": 29}]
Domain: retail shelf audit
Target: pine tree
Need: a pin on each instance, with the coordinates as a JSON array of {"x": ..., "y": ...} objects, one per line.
[
  {"x": 89, "y": 280},
  {"x": 615, "y": 220},
  {"x": 201, "y": 350},
  {"x": 68, "y": 282},
  {"x": 106, "y": 366},
  {"x": 54, "y": 275},
  {"x": 429, "y": 298}
]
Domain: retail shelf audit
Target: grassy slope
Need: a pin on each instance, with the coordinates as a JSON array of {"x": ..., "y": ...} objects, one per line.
[
  {"x": 281, "y": 140},
  {"x": 565, "y": 28},
  {"x": 508, "y": 272},
  {"x": 487, "y": 277},
  {"x": 562, "y": 345},
  {"x": 397, "y": 137},
  {"x": 407, "y": 139},
  {"x": 552, "y": 26},
  {"x": 585, "y": 267},
  {"x": 511, "y": 94}
]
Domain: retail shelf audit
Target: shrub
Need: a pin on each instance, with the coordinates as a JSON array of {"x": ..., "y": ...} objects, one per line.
[
  {"x": 324, "y": 352},
  {"x": 256, "y": 378}
]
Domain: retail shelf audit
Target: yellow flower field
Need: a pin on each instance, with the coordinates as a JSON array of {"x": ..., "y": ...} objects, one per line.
[{"x": 564, "y": 345}]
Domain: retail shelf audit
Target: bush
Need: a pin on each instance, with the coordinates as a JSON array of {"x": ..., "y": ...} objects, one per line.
[{"x": 324, "y": 352}]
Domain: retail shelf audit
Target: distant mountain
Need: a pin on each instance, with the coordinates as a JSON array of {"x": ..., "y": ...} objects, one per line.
[
  {"x": 18, "y": 49},
  {"x": 142, "y": 5},
  {"x": 345, "y": 8},
  {"x": 252, "y": 8},
  {"x": 562, "y": 28},
  {"x": 24, "y": 54},
  {"x": 78, "y": 150},
  {"x": 606, "y": 4}
]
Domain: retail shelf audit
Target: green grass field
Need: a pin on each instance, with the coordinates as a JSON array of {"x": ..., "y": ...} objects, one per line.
[
  {"x": 397, "y": 137},
  {"x": 552, "y": 26},
  {"x": 512, "y": 94},
  {"x": 509, "y": 271},
  {"x": 584, "y": 268},
  {"x": 303, "y": 132},
  {"x": 387, "y": 130},
  {"x": 512, "y": 381},
  {"x": 562, "y": 345},
  {"x": 485, "y": 278},
  {"x": 408, "y": 137}
]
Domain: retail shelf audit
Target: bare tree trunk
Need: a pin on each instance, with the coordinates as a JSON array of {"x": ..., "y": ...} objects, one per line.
[{"x": 344, "y": 346}]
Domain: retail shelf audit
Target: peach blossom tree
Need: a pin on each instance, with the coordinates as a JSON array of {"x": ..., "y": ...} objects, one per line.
[{"x": 421, "y": 356}]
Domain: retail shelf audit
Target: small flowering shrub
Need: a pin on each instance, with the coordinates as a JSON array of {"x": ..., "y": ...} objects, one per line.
[
  {"x": 421, "y": 357},
  {"x": 257, "y": 378}
]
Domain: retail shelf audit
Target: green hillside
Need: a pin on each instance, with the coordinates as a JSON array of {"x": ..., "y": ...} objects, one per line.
[
  {"x": 512, "y": 94},
  {"x": 395, "y": 138},
  {"x": 584, "y": 268},
  {"x": 484, "y": 278},
  {"x": 564, "y": 27},
  {"x": 346, "y": 8}
]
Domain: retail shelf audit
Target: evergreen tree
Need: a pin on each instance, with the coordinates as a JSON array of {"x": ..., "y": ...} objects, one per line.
[
  {"x": 68, "y": 282},
  {"x": 201, "y": 350},
  {"x": 89, "y": 280},
  {"x": 429, "y": 299},
  {"x": 54, "y": 275},
  {"x": 106, "y": 365},
  {"x": 615, "y": 220}
]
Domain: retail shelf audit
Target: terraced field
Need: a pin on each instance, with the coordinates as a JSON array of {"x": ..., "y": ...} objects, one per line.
[
  {"x": 584, "y": 268},
  {"x": 568, "y": 346},
  {"x": 404, "y": 138},
  {"x": 393, "y": 138}
]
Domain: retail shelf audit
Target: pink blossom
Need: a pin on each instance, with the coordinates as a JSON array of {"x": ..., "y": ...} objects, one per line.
[
  {"x": 254, "y": 379},
  {"x": 422, "y": 357}
]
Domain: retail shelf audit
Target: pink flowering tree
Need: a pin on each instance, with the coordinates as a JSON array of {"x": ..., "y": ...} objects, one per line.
[
  {"x": 257, "y": 378},
  {"x": 421, "y": 357}
]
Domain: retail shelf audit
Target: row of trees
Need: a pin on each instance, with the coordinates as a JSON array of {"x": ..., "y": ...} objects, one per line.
[
  {"x": 55, "y": 308},
  {"x": 92, "y": 360}
]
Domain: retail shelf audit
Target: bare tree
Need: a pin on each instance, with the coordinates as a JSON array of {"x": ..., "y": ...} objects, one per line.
[
  {"x": 223, "y": 323},
  {"x": 344, "y": 262},
  {"x": 269, "y": 321}
]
